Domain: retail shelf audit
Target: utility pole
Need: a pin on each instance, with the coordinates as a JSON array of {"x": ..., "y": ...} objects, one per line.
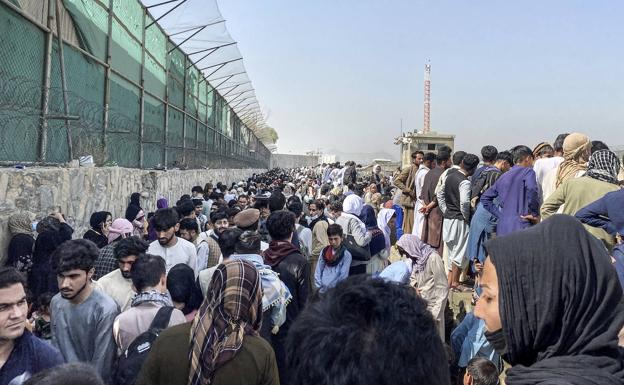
[{"x": 427, "y": 117}]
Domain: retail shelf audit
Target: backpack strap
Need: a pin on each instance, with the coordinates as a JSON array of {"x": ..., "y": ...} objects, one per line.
[{"x": 161, "y": 319}]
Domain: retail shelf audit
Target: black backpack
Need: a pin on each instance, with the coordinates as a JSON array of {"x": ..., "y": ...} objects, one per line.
[{"x": 131, "y": 360}]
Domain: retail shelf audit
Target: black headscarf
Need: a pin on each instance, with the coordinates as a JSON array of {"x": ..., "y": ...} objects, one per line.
[
  {"x": 134, "y": 207},
  {"x": 560, "y": 305},
  {"x": 97, "y": 220},
  {"x": 183, "y": 287}
]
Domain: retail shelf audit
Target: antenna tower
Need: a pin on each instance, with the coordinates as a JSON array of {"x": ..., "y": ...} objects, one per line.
[{"x": 426, "y": 126}]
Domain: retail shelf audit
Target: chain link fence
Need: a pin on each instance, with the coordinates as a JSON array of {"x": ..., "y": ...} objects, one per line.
[{"x": 133, "y": 98}]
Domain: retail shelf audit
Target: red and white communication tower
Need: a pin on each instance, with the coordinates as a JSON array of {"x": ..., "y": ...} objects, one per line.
[{"x": 426, "y": 126}]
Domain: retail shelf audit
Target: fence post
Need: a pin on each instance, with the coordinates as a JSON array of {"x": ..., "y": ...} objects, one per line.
[
  {"x": 142, "y": 97},
  {"x": 47, "y": 78},
  {"x": 70, "y": 146},
  {"x": 107, "y": 73},
  {"x": 184, "y": 115}
]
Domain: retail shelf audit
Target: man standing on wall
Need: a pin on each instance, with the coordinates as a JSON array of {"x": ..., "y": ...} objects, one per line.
[{"x": 405, "y": 181}]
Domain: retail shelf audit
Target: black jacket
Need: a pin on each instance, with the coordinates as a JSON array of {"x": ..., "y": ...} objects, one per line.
[{"x": 294, "y": 271}]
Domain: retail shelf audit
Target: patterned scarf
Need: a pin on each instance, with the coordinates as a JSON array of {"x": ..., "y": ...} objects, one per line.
[
  {"x": 418, "y": 250},
  {"x": 604, "y": 165},
  {"x": 574, "y": 147},
  {"x": 232, "y": 309},
  {"x": 333, "y": 257},
  {"x": 20, "y": 224},
  {"x": 151, "y": 296}
]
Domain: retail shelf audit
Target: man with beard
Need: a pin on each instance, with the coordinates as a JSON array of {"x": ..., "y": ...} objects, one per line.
[
  {"x": 317, "y": 222},
  {"x": 82, "y": 318},
  {"x": 117, "y": 284},
  {"x": 173, "y": 249}
]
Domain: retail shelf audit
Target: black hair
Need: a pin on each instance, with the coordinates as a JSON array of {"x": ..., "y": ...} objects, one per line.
[
  {"x": 416, "y": 153},
  {"x": 520, "y": 153},
  {"x": 189, "y": 224},
  {"x": 185, "y": 208},
  {"x": 232, "y": 203},
  {"x": 215, "y": 196},
  {"x": 183, "y": 287},
  {"x": 445, "y": 148},
  {"x": 130, "y": 246},
  {"x": 75, "y": 254},
  {"x": 10, "y": 276},
  {"x": 362, "y": 315},
  {"x": 228, "y": 239},
  {"x": 164, "y": 219},
  {"x": 44, "y": 300},
  {"x": 277, "y": 201},
  {"x": 488, "y": 153},
  {"x": 197, "y": 189},
  {"x": 429, "y": 157},
  {"x": 597, "y": 145},
  {"x": 218, "y": 215},
  {"x": 470, "y": 162},
  {"x": 546, "y": 149},
  {"x": 558, "y": 144},
  {"x": 505, "y": 155},
  {"x": 320, "y": 205},
  {"x": 75, "y": 373},
  {"x": 443, "y": 156},
  {"x": 458, "y": 157},
  {"x": 197, "y": 202},
  {"x": 232, "y": 211},
  {"x": 334, "y": 229},
  {"x": 249, "y": 242},
  {"x": 336, "y": 205},
  {"x": 296, "y": 208},
  {"x": 325, "y": 189},
  {"x": 280, "y": 224},
  {"x": 482, "y": 371},
  {"x": 184, "y": 197},
  {"x": 147, "y": 270}
]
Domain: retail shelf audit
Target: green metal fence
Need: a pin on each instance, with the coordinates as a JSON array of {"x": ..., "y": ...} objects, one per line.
[{"x": 133, "y": 98}]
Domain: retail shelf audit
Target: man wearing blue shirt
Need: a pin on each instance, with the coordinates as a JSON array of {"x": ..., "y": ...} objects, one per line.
[{"x": 21, "y": 353}]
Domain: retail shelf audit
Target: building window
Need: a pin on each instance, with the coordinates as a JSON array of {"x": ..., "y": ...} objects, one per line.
[{"x": 431, "y": 146}]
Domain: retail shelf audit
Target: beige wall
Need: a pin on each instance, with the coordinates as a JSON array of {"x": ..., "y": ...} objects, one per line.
[{"x": 81, "y": 191}]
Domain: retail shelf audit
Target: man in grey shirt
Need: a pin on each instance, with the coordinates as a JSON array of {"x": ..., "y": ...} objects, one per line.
[{"x": 82, "y": 318}]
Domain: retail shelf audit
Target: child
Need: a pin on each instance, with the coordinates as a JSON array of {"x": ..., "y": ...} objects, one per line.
[
  {"x": 41, "y": 318},
  {"x": 481, "y": 371},
  {"x": 334, "y": 260}
]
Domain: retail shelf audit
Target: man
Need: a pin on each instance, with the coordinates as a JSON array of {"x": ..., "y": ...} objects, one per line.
[
  {"x": 350, "y": 174},
  {"x": 293, "y": 269},
  {"x": 82, "y": 318},
  {"x": 201, "y": 219},
  {"x": 318, "y": 223},
  {"x": 544, "y": 167},
  {"x": 208, "y": 253},
  {"x": 488, "y": 155},
  {"x": 117, "y": 284},
  {"x": 186, "y": 209},
  {"x": 432, "y": 225},
  {"x": 106, "y": 262},
  {"x": 150, "y": 280},
  {"x": 517, "y": 195},
  {"x": 405, "y": 181},
  {"x": 454, "y": 201},
  {"x": 249, "y": 220},
  {"x": 388, "y": 326},
  {"x": 218, "y": 223},
  {"x": 576, "y": 193},
  {"x": 21, "y": 353},
  {"x": 243, "y": 201},
  {"x": 457, "y": 159},
  {"x": 172, "y": 248},
  {"x": 488, "y": 175},
  {"x": 419, "y": 217}
]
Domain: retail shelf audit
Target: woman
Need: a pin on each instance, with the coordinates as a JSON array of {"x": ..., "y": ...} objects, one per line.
[
  {"x": 42, "y": 278},
  {"x": 421, "y": 267},
  {"x": 552, "y": 305},
  {"x": 225, "y": 347},
  {"x": 136, "y": 215},
  {"x": 385, "y": 219},
  {"x": 20, "y": 252},
  {"x": 184, "y": 290},
  {"x": 377, "y": 245},
  {"x": 355, "y": 233},
  {"x": 100, "y": 222}
]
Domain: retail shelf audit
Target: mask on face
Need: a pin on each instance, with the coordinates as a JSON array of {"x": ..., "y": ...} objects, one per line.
[
  {"x": 311, "y": 218},
  {"x": 497, "y": 340}
]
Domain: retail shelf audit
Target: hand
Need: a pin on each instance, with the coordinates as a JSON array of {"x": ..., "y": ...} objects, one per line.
[
  {"x": 58, "y": 216},
  {"x": 531, "y": 218},
  {"x": 406, "y": 191},
  {"x": 478, "y": 267}
]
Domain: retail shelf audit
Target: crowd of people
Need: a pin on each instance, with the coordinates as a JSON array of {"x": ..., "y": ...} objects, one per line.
[{"x": 332, "y": 275}]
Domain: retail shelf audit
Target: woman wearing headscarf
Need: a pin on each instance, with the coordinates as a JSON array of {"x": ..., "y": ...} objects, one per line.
[
  {"x": 421, "y": 267},
  {"x": 100, "y": 222},
  {"x": 576, "y": 193},
  {"x": 384, "y": 222},
  {"x": 42, "y": 278},
  {"x": 184, "y": 290},
  {"x": 552, "y": 306},
  {"x": 354, "y": 229},
  {"x": 136, "y": 215},
  {"x": 225, "y": 347},
  {"x": 576, "y": 148},
  {"x": 20, "y": 252},
  {"x": 377, "y": 245}
]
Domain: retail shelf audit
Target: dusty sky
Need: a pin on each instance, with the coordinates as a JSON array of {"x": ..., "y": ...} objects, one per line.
[{"x": 342, "y": 74}]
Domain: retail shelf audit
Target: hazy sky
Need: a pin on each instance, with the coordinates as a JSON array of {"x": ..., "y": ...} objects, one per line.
[{"x": 341, "y": 74}]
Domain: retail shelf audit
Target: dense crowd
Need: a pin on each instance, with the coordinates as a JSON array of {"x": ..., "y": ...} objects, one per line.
[{"x": 335, "y": 275}]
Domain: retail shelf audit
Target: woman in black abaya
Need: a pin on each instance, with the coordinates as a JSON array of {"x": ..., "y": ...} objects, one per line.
[{"x": 553, "y": 306}]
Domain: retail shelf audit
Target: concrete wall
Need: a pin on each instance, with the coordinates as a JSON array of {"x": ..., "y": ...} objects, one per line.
[
  {"x": 81, "y": 191},
  {"x": 293, "y": 161}
]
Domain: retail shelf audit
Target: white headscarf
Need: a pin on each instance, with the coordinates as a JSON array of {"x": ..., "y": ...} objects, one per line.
[
  {"x": 353, "y": 205},
  {"x": 382, "y": 222}
]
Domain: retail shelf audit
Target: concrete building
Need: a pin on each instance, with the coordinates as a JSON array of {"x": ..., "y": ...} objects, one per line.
[{"x": 429, "y": 142}]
